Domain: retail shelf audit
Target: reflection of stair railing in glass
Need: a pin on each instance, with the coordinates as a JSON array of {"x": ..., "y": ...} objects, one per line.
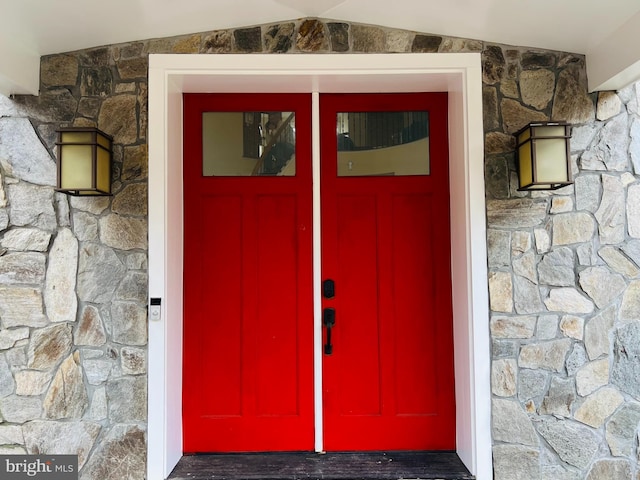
[
  {"x": 383, "y": 143},
  {"x": 279, "y": 149}
]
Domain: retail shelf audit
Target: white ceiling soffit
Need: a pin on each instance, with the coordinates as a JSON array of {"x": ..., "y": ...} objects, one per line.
[
  {"x": 19, "y": 69},
  {"x": 607, "y": 71},
  {"x": 311, "y": 8},
  {"x": 603, "y": 30}
]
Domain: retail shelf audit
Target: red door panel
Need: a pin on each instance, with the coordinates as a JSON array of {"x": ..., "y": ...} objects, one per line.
[
  {"x": 385, "y": 242},
  {"x": 276, "y": 349},
  {"x": 248, "y": 328},
  {"x": 357, "y": 347}
]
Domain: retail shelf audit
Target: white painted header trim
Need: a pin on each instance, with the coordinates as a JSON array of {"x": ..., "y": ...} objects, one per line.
[
  {"x": 269, "y": 63},
  {"x": 313, "y": 72}
]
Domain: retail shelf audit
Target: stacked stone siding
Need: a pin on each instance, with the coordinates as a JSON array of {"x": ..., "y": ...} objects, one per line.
[{"x": 564, "y": 267}]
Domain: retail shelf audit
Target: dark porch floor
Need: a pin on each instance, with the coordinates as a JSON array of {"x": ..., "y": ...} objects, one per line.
[{"x": 330, "y": 466}]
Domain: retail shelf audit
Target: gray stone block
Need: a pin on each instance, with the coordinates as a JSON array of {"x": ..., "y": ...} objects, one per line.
[{"x": 626, "y": 359}]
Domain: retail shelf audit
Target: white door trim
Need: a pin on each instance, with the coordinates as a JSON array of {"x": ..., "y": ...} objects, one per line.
[
  {"x": 459, "y": 74},
  {"x": 317, "y": 275}
]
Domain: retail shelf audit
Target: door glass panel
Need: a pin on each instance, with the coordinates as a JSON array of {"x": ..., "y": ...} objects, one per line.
[
  {"x": 383, "y": 143},
  {"x": 239, "y": 144}
]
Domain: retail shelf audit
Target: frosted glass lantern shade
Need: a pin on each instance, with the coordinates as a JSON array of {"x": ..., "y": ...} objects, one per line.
[
  {"x": 84, "y": 161},
  {"x": 542, "y": 156}
]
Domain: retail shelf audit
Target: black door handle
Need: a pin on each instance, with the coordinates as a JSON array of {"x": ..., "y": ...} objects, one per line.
[
  {"x": 329, "y": 321},
  {"x": 328, "y": 288}
]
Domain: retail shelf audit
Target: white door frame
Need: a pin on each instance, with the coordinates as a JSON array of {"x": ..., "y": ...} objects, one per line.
[{"x": 458, "y": 74}]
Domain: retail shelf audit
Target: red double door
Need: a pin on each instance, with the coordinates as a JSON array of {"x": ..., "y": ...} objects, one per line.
[{"x": 248, "y": 375}]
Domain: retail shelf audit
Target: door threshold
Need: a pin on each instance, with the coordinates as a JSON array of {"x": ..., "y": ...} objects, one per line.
[{"x": 393, "y": 465}]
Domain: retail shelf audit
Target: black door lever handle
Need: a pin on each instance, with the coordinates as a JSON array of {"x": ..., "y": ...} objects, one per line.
[{"x": 329, "y": 321}]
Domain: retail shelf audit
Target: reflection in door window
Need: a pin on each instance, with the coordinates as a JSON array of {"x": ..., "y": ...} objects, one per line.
[
  {"x": 248, "y": 144},
  {"x": 383, "y": 143}
]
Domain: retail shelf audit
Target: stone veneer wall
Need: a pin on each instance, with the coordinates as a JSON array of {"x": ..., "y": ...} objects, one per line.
[{"x": 564, "y": 267}]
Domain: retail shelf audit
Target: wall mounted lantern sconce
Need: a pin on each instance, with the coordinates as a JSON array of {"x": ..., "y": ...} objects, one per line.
[
  {"x": 543, "y": 156},
  {"x": 84, "y": 161}
]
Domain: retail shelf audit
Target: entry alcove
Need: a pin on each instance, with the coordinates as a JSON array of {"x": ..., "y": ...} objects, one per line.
[{"x": 458, "y": 74}]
